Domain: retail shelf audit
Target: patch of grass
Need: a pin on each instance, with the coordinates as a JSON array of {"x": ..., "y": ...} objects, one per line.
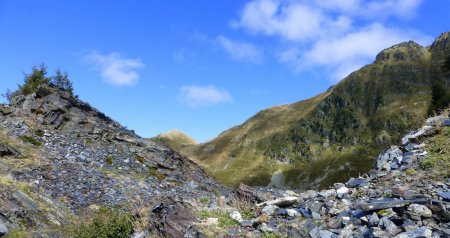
[
  {"x": 39, "y": 133},
  {"x": 139, "y": 158},
  {"x": 224, "y": 218},
  {"x": 204, "y": 200},
  {"x": 438, "y": 160},
  {"x": 107, "y": 223},
  {"x": 155, "y": 173},
  {"x": 31, "y": 140},
  {"x": 17, "y": 234},
  {"x": 109, "y": 159},
  {"x": 247, "y": 214},
  {"x": 410, "y": 171},
  {"x": 270, "y": 235},
  {"x": 88, "y": 141}
]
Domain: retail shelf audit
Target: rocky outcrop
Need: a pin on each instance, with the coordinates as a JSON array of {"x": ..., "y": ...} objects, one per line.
[{"x": 68, "y": 158}]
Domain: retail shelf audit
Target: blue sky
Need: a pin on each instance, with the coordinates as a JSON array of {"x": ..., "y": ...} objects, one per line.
[{"x": 203, "y": 66}]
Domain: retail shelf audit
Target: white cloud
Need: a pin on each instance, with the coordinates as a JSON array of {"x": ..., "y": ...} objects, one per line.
[
  {"x": 114, "y": 68},
  {"x": 196, "y": 96},
  {"x": 323, "y": 32},
  {"x": 239, "y": 50}
]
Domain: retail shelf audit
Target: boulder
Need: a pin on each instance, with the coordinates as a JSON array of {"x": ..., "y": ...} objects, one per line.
[{"x": 3, "y": 229}]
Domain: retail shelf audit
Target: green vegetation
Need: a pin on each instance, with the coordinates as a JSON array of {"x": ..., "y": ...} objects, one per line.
[
  {"x": 438, "y": 160},
  {"x": 224, "y": 218},
  {"x": 155, "y": 173},
  {"x": 440, "y": 95},
  {"x": 410, "y": 171},
  {"x": 106, "y": 223},
  {"x": 31, "y": 140},
  {"x": 174, "y": 139},
  {"x": 38, "y": 77},
  {"x": 270, "y": 235},
  {"x": 334, "y": 135},
  {"x": 109, "y": 159},
  {"x": 139, "y": 158},
  {"x": 204, "y": 200},
  {"x": 39, "y": 133}
]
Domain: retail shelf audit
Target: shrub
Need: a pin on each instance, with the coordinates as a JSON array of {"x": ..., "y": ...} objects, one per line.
[
  {"x": 61, "y": 80},
  {"x": 109, "y": 159},
  {"x": 38, "y": 77},
  {"x": 155, "y": 173},
  {"x": 34, "y": 80},
  {"x": 204, "y": 200},
  {"x": 31, "y": 140},
  {"x": 106, "y": 223}
]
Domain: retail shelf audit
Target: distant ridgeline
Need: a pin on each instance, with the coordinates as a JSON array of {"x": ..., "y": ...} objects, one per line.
[{"x": 336, "y": 134}]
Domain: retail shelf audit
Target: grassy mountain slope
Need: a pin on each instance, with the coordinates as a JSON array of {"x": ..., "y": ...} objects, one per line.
[
  {"x": 174, "y": 139},
  {"x": 334, "y": 135}
]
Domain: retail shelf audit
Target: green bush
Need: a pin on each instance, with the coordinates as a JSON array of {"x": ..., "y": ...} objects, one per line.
[
  {"x": 106, "y": 223},
  {"x": 31, "y": 140}
]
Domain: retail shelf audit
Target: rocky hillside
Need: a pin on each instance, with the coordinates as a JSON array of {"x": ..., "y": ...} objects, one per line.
[
  {"x": 334, "y": 135},
  {"x": 63, "y": 162},
  {"x": 407, "y": 194},
  {"x": 175, "y": 139}
]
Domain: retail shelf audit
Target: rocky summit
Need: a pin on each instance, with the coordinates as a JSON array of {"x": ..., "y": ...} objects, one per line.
[{"x": 62, "y": 159}]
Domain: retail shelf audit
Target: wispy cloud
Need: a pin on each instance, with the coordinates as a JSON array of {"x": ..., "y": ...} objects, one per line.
[
  {"x": 114, "y": 68},
  {"x": 196, "y": 96},
  {"x": 323, "y": 32},
  {"x": 240, "y": 50}
]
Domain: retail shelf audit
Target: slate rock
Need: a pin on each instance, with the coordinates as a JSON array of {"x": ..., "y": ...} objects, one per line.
[
  {"x": 389, "y": 226},
  {"x": 445, "y": 195},
  {"x": 359, "y": 182},
  {"x": 419, "y": 232},
  {"x": 327, "y": 234},
  {"x": 421, "y": 210},
  {"x": 3, "y": 229},
  {"x": 269, "y": 210}
]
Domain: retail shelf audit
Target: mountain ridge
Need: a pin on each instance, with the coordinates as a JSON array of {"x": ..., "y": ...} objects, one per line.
[{"x": 370, "y": 108}]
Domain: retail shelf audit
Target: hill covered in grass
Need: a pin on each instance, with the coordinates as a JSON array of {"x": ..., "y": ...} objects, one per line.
[{"x": 334, "y": 135}]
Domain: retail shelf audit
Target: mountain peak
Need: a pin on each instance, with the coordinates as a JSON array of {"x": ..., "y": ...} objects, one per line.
[
  {"x": 404, "y": 51},
  {"x": 441, "y": 43}
]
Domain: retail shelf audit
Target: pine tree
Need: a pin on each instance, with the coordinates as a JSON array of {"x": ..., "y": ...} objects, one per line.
[
  {"x": 61, "y": 80},
  {"x": 34, "y": 80},
  {"x": 440, "y": 97}
]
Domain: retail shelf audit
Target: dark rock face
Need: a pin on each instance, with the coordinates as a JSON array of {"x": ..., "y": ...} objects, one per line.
[{"x": 6, "y": 150}]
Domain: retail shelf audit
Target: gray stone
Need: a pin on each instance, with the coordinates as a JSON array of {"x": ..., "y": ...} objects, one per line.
[
  {"x": 246, "y": 223},
  {"x": 445, "y": 195},
  {"x": 269, "y": 210},
  {"x": 419, "y": 232},
  {"x": 387, "y": 156},
  {"x": 389, "y": 226},
  {"x": 3, "y": 229},
  {"x": 434, "y": 121},
  {"x": 359, "y": 182},
  {"x": 373, "y": 219},
  {"x": 327, "y": 234},
  {"x": 381, "y": 204},
  {"x": 420, "y": 210}
]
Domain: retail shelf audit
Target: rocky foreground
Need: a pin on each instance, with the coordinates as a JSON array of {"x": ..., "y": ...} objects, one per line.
[
  {"x": 396, "y": 199},
  {"x": 62, "y": 160}
]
